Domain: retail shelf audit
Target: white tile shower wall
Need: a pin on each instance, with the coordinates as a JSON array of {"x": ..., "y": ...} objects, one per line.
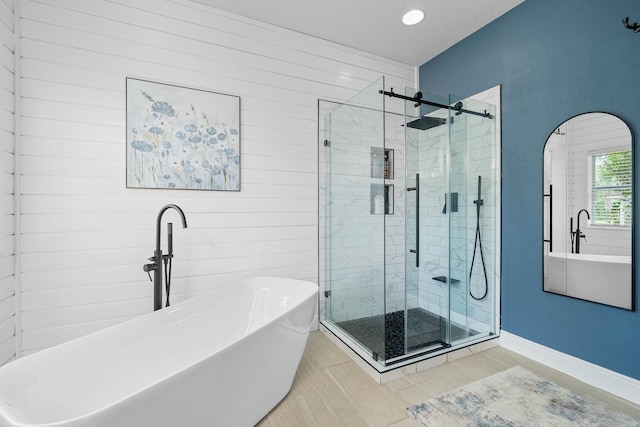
[
  {"x": 395, "y": 223},
  {"x": 7, "y": 202},
  {"x": 85, "y": 236},
  {"x": 324, "y": 158},
  {"x": 589, "y": 134},
  {"x": 356, "y": 234},
  {"x": 434, "y": 225},
  {"x": 474, "y": 152},
  {"x": 483, "y": 140},
  {"x": 366, "y": 253}
]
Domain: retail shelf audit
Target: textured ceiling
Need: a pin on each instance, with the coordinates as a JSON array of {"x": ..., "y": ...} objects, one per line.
[{"x": 375, "y": 25}]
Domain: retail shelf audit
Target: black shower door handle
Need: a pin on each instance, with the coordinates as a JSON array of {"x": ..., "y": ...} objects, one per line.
[{"x": 417, "y": 190}]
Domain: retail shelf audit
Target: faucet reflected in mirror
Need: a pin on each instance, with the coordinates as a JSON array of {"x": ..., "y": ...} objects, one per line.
[
  {"x": 578, "y": 234},
  {"x": 158, "y": 258}
]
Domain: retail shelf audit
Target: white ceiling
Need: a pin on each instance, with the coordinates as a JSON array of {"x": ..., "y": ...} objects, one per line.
[{"x": 375, "y": 25}]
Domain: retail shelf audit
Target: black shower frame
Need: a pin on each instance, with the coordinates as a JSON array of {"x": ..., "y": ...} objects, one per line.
[{"x": 417, "y": 98}]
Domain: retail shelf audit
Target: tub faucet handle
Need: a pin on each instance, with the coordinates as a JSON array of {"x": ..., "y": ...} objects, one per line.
[{"x": 148, "y": 267}]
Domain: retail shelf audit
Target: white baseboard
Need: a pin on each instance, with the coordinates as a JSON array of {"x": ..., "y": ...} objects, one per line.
[{"x": 620, "y": 385}]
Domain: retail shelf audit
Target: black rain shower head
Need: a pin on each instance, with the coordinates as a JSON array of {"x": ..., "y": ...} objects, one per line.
[{"x": 425, "y": 122}]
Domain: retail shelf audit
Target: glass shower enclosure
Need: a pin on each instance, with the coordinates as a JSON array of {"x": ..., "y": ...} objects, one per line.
[{"x": 409, "y": 211}]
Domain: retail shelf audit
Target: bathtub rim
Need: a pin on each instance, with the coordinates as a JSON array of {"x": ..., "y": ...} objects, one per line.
[
  {"x": 587, "y": 257},
  {"x": 559, "y": 255}
]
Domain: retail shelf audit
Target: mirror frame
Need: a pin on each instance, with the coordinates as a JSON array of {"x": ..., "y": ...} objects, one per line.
[{"x": 633, "y": 212}]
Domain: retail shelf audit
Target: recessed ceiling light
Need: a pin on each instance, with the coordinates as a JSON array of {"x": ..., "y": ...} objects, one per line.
[{"x": 413, "y": 17}]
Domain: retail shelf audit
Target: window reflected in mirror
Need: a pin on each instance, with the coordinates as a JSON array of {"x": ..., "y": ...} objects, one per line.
[{"x": 588, "y": 201}]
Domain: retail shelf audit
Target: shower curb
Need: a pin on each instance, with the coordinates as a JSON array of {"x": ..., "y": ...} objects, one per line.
[{"x": 412, "y": 366}]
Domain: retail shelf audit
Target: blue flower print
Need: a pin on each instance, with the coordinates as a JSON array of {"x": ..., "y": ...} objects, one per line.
[
  {"x": 141, "y": 146},
  {"x": 163, "y": 108},
  {"x": 177, "y": 144}
]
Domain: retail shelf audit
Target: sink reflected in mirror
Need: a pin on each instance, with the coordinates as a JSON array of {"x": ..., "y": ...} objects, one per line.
[{"x": 588, "y": 200}]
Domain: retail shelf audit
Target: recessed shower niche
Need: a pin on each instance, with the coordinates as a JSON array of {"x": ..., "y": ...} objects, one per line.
[
  {"x": 423, "y": 278},
  {"x": 382, "y": 200}
]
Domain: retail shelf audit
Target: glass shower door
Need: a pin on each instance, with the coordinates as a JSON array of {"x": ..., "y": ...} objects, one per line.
[
  {"x": 427, "y": 234},
  {"x": 355, "y": 217},
  {"x": 473, "y": 227}
]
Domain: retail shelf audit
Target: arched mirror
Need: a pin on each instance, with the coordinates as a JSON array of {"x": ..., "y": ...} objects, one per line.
[{"x": 588, "y": 201}]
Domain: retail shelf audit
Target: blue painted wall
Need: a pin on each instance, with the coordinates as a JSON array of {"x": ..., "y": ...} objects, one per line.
[{"x": 554, "y": 59}]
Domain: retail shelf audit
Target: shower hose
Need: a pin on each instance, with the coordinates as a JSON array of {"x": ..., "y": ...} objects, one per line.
[
  {"x": 477, "y": 244},
  {"x": 167, "y": 275}
]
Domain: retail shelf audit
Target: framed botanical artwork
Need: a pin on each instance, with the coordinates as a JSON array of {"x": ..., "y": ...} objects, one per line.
[{"x": 181, "y": 138}]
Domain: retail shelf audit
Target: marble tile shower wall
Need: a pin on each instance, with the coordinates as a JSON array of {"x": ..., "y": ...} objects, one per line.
[
  {"x": 411, "y": 272},
  {"x": 361, "y": 248},
  {"x": 477, "y": 155},
  {"x": 432, "y": 165},
  {"x": 324, "y": 203},
  {"x": 395, "y": 248},
  {"x": 449, "y": 239},
  {"x": 8, "y": 302},
  {"x": 357, "y": 236}
]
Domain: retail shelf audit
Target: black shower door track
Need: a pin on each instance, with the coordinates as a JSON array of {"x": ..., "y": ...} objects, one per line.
[{"x": 419, "y": 101}]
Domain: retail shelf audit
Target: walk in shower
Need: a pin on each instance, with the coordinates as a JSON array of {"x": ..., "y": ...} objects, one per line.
[{"x": 409, "y": 223}]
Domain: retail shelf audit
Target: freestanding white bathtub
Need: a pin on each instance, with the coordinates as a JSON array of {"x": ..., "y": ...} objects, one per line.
[
  {"x": 222, "y": 359},
  {"x": 606, "y": 279}
]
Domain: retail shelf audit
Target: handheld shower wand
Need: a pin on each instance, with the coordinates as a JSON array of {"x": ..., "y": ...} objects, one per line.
[
  {"x": 167, "y": 262},
  {"x": 478, "y": 244}
]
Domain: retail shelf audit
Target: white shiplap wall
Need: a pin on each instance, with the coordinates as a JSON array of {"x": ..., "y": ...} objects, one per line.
[
  {"x": 7, "y": 204},
  {"x": 84, "y": 235}
]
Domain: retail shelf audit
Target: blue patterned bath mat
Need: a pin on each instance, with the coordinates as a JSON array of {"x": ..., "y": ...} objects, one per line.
[{"x": 516, "y": 398}]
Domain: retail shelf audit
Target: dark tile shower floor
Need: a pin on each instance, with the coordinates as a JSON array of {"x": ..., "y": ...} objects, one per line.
[{"x": 423, "y": 329}]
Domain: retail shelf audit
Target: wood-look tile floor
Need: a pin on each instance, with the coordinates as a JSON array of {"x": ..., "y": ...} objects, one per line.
[{"x": 331, "y": 390}]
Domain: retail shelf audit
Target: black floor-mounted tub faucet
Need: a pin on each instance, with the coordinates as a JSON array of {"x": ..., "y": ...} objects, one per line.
[{"x": 158, "y": 258}]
